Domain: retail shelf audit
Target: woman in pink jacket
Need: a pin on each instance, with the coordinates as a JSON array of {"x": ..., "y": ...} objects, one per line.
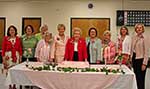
[
  {"x": 42, "y": 52},
  {"x": 58, "y": 45},
  {"x": 109, "y": 48},
  {"x": 76, "y": 47}
]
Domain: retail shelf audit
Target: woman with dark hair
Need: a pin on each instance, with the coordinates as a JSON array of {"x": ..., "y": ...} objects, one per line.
[
  {"x": 93, "y": 46},
  {"x": 29, "y": 43},
  {"x": 139, "y": 54},
  {"x": 124, "y": 45},
  {"x": 11, "y": 48}
]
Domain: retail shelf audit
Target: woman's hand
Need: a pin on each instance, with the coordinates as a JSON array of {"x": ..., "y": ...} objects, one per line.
[
  {"x": 20, "y": 59},
  {"x": 98, "y": 62},
  {"x": 5, "y": 63},
  {"x": 6, "y": 58},
  {"x": 86, "y": 60},
  {"x": 38, "y": 60},
  {"x": 143, "y": 67}
]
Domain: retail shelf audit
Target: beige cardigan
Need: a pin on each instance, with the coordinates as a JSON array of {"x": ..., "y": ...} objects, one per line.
[{"x": 142, "y": 53}]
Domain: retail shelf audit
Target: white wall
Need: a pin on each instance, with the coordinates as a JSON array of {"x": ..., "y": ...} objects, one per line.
[{"x": 54, "y": 12}]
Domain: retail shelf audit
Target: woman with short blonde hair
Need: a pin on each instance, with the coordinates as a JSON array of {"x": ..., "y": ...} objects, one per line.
[
  {"x": 109, "y": 48},
  {"x": 139, "y": 54},
  {"x": 76, "y": 47},
  {"x": 141, "y": 25},
  {"x": 59, "y": 43},
  {"x": 42, "y": 52},
  {"x": 43, "y": 30},
  {"x": 76, "y": 29}
]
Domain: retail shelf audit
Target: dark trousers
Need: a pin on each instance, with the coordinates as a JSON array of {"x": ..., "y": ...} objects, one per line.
[
  {"x": 75, "y": 56},
  {"x": 30, "y": 59},
  {"x": 140, "y": 75}
]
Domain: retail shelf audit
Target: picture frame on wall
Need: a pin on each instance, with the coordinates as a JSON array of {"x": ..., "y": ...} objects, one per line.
[
  {"x": 34, "y": 21},
  {"x": 101, "y": 24},
  {"x": 2, "y": 29},
  {"x": 2, "y": 33}
]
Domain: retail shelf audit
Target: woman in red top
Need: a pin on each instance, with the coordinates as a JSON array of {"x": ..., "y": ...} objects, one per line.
[
  {"x": 76, "y": 47},
  {"x": 11, "y": 48}
]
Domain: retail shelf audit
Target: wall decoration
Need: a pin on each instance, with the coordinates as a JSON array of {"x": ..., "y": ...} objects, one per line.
[
  {"x": 34, "y": 21},
  {"x": 131, "y": 17},
  {"x": 2, "y": 29},
  {"x": 101, "y": 24}
]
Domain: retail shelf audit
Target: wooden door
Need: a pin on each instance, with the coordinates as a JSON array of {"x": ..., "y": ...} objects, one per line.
[
  {"x": 2, "y": 30},
  {"x": 101, "y": 24},
  {"x": 35, "y": 22}
]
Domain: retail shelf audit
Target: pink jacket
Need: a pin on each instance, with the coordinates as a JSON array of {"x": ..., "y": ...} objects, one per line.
[{"x": 110, "y": 52}]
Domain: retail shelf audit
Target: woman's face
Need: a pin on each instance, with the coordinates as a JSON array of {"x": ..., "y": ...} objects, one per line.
[
  {"x": 107, "y": 36},
  {"x": 92, "y": 33},
  {"x": 77, "y": 35},
  {"x": 61, "y": 30},
  {"x": 123, "y": 31},
  {"x": 12, "y": 31},
  {"x": 139, "y": 29},
  {"x": 48, "y": 37},
  {"x": 29, "y": 30},
  {"x": 44, "y": 29}
]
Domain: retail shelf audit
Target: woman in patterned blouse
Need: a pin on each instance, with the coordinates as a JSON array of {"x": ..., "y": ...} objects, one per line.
[
  {"x": 29, "y": 43},
  {"x": 11, "y": 48}
]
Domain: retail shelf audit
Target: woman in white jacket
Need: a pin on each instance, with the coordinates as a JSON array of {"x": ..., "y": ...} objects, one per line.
[{"x": 124, "y": 44}]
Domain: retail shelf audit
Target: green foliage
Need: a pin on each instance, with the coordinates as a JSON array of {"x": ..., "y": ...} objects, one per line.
[
  {"x": 51, "y": 67},
  {"x": 120, "y": 57}
]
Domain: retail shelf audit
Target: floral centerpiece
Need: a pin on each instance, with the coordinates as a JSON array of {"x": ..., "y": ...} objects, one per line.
[
  {"x": 28, "y": 53},
  {"x": 119, "y": 58}
]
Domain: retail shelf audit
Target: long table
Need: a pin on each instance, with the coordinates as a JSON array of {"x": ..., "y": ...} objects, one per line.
[{"x": 21, "y": 75}]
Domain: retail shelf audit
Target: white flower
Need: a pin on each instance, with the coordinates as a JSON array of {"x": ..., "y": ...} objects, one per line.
[{"x": 29, "y": 51}]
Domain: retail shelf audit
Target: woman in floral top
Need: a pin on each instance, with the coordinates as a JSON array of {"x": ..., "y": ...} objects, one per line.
[
  {"x": 59, "y": 43},
  {"x": 29, "y": 43},
  {"x": 11, "y": 48}
]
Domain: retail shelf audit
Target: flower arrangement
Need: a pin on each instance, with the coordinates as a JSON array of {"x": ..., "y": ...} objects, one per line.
[
  {"x": 51, "y": 67},
  {"x": 28, "y": 54},
  {"x": 119, "y": 58}
]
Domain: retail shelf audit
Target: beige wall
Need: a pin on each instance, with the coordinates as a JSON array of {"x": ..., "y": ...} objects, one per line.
[{"x": 60, "y": 11}]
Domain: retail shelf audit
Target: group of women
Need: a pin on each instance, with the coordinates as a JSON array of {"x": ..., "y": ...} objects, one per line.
[{"x": 41, "y": 47}]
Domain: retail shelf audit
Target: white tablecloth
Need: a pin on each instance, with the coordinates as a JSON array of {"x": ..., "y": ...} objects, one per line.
[{"x": 21, "y": 75}]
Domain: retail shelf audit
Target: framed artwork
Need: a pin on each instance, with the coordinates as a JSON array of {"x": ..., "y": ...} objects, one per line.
[
  {"x": 34, "y": 21},
  {"x": 101, "y": 24},
  {"x": 2, "y": 29}
]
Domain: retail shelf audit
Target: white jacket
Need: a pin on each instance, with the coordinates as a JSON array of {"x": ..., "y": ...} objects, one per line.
[{"x": 126, "y": 45}]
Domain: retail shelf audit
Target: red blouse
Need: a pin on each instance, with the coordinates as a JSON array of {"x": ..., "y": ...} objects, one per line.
[
  {"x": 8, "y": 46},
  {"x": 82, "y": 51}
]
